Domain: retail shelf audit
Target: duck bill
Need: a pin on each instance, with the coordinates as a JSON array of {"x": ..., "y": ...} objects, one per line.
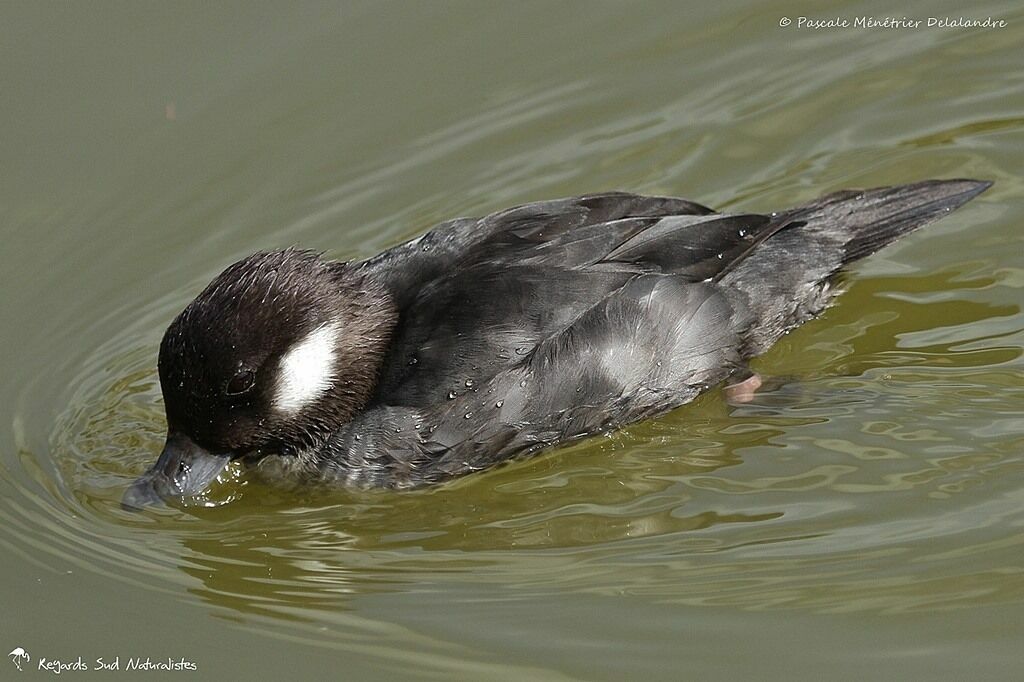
[{"x": 183, "y": 469}]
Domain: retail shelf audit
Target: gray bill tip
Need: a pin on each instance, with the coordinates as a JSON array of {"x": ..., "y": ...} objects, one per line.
[{"x": 140, "y": 495}]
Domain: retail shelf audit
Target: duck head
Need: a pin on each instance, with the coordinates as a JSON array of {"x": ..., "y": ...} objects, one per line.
[{"x": 277, "y": 353}]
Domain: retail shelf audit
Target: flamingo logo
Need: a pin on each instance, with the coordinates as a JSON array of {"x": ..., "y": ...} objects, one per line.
[{"x": 19, "y": 655}]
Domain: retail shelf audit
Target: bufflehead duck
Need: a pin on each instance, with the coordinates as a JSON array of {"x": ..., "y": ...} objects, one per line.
[{"x": 489, "y": 338}]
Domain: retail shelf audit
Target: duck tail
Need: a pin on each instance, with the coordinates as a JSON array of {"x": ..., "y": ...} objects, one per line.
[
  {"x": 865, "y": 221},
  {"x": 788, "y": 278}
]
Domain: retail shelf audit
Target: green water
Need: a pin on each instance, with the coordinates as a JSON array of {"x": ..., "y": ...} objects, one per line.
[{"x": 862, "y": 519}]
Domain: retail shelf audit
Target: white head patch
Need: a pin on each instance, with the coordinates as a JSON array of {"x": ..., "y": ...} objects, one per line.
[{"x": 307, "y": 370}]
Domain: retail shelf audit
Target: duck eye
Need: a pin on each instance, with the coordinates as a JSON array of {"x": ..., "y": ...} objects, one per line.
[{"x": 241, "y": 382}]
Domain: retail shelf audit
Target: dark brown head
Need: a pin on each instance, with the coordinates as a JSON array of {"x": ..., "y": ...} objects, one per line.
[{"x": 278, "y": 352}]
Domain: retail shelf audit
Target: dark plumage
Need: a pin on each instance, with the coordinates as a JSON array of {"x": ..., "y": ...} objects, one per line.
[{"x": 489, "y": 338}]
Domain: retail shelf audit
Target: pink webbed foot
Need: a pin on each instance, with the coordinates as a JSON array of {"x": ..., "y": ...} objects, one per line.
[{"x": 743, "y": 391}]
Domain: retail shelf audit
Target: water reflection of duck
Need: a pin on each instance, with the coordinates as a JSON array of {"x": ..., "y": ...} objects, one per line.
[{"x": 489, "y": 338}]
